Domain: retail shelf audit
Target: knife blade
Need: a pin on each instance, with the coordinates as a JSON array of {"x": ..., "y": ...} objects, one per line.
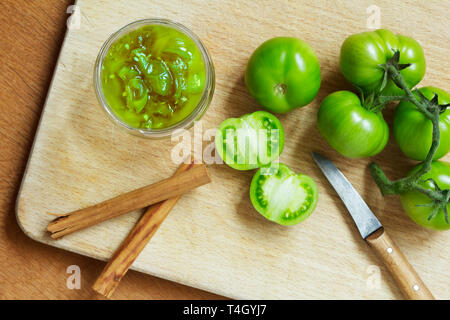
[
  {"x": 373, "y": 232},
  {"x": 365, "y": 220}
]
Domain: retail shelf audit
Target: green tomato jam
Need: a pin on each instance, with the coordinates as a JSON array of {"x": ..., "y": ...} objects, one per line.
[{"x": 153, "y": 77}]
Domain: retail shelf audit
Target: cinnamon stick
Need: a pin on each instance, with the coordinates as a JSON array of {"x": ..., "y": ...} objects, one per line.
[
  {"x": 135, "y": 242},
  {"x": 137, "y": 199}
]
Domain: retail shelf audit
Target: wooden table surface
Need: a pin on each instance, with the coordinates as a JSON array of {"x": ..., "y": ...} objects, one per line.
[{"x": 32, "y": 33}]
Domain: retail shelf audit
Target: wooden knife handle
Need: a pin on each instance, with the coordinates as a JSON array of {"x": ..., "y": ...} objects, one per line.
[{"x": 404, "y": 274}]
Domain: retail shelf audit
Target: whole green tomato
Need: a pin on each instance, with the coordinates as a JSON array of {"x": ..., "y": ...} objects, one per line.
[
  {"x": 413, "y": 201},
  {"x": 283, "y": 74},
  {"x": 349, "y": 128},
  {"x": 414, "y": 131},
  {"x": 362, "y": 53}
]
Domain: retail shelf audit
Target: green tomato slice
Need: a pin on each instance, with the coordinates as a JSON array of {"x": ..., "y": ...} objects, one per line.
[
  {"x": 282, "y": 196},
  {"x": 251, "y": 141}
]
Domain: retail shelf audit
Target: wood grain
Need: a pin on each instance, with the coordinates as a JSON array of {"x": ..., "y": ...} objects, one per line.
[
  {"x": 32, "y": 33},
  {"x": 219, "y": 243},
  {"x": 406, "y": 277}
]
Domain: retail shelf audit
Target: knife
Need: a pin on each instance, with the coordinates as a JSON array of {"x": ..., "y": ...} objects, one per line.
[{"x": 373, "y": 232}]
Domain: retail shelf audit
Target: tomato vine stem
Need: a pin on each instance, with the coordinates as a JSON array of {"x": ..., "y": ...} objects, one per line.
[{"x": 432, "y": 110}]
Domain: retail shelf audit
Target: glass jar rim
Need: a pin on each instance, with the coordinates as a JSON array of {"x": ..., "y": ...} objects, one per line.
[{"x": 185, "y": 123}]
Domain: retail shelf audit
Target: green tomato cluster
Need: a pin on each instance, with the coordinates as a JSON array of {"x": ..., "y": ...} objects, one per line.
[
  {"x": 282, "y": 74},
  {"x": 353, "y": 128},
  {"x": 356, "y": 129}
]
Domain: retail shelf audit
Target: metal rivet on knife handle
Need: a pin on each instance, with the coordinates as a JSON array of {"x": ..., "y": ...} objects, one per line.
[{"x": 403, "y": 273}]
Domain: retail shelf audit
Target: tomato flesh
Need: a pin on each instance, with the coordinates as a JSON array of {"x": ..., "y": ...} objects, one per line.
[
  {"x": 413, "y": 201},
  {"x": 282, "y": 196},
  {"x": 251, "y": 141},
  {"x": 413, "y": 131}
]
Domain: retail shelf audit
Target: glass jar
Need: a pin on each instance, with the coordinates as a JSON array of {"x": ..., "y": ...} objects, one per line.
[{"x": 185, "y": 123}]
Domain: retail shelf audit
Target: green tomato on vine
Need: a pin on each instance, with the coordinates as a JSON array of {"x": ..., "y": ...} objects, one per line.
[
  {"x": 385, "y": 67},
  {"x": 413, "y": 131},
  {"x": 419, "y": 207},
  {"x": 363, "y": 53},
  {"x": 351, "y": 128}
]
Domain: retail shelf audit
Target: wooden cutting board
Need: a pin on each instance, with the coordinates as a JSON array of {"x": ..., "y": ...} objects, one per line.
[{"x": 214, "y": 239}]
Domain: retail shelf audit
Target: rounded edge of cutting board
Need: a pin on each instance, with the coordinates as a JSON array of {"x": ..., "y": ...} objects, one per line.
[{"x": 17, "y": 212}]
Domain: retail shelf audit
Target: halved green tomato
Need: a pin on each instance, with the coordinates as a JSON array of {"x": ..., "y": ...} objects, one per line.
[
  {"x": 251, "y": 141},
  {"x": 283, "y": 196}
]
